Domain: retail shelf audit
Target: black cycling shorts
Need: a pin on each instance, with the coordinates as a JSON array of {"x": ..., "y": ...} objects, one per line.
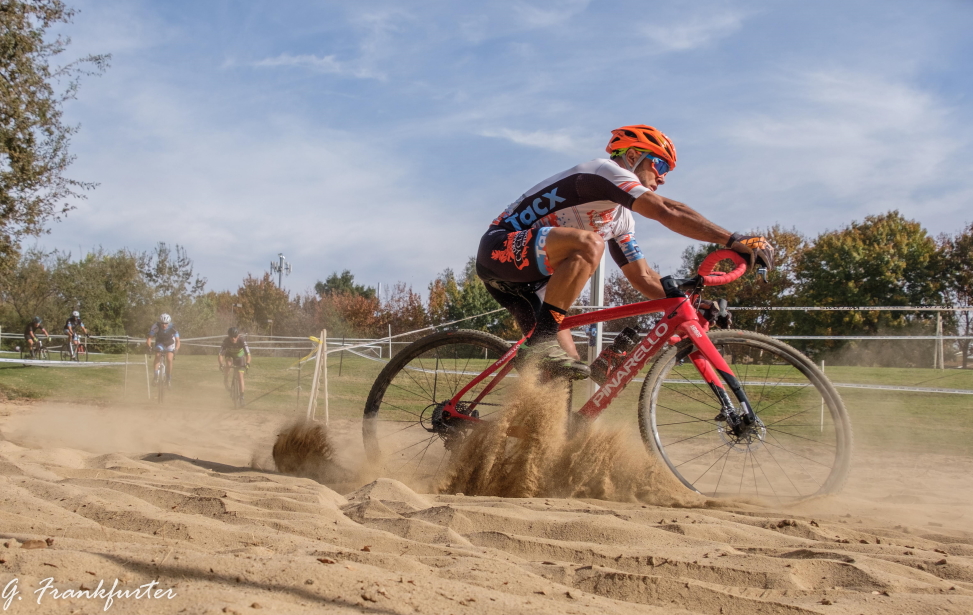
[
  {"x": 514, "y": 256},
  {"x": 513, "y": 267}
]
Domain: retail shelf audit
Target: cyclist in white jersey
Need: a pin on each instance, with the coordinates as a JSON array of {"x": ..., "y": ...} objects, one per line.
[{"x": 539, "y": 253}]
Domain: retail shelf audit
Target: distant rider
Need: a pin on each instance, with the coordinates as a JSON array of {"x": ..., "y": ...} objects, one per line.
[
  {"x": 163, "y": 338},
  {"x": 234, "y": 355},
  {"x": 71, "y": 328},
  {"x": 30, "y": 334}
]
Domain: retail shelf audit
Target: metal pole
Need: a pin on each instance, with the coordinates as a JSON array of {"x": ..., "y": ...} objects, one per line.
[
  {"x": 390, "y": 342},
  {"x": 314, "y": 381},
  {"x": 940, "y": 357},
  {"x": 298, "y": 403},
  {"x": 822, "y": 400},
  {"x": 324, "y": 368},
  {"x": 125, "y": 385},
  {"x": 597, "y": 294},
  {"x": 341, "y": 358},
  {"x": 148, "y": 385}
]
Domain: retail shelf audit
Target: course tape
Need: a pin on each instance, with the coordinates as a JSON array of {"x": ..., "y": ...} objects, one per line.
[{"x": 54, "y": 363}]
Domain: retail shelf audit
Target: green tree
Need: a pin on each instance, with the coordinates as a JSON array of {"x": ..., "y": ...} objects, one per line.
[
  {"x": 107, "y": 288},
  {"x": 957, "y": 254},
  {"x": 27, "y": 290},
  {"x": 750, "y": 290},
  {"x": 34, "y": 139},
  {"x": 343, "y": 283},
  {"x": 886, "y": 260}
]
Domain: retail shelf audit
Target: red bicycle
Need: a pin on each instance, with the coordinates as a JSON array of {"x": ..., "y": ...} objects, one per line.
[{"x": 731, "y": 413}]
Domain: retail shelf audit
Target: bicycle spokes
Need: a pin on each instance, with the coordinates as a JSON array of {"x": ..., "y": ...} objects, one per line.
[{"x": 795, "y": 445}]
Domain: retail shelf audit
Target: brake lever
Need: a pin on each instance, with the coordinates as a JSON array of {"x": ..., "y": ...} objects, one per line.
[{"x": 762, "y": 273}]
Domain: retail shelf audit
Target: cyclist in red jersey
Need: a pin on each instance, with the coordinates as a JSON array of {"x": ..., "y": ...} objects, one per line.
[{"x": 539, "y": 253}]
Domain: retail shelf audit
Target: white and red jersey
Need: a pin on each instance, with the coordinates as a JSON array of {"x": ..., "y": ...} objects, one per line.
[{"x": 594, "y": 196}]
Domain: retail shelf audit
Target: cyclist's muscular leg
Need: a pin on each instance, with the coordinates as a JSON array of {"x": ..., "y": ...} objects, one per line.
[{"x": 574, "y": 255}]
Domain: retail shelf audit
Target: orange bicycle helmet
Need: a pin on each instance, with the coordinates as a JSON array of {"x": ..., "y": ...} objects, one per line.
[{"x": 643, "y": 137}]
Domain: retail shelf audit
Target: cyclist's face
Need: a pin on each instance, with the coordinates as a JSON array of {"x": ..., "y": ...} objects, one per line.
[{"x": 646, "y": 172}]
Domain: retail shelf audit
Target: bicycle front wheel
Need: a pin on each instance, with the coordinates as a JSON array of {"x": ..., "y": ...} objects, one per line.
[
  {"x": 235, "y": 388},
  {"x": 799, "y": 447},
  {"x": 162, "y": 384},
  {"x": 403, "y": 429}
]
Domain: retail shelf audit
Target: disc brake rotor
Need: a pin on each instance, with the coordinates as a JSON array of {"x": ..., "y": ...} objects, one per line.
[{"x": 751, "y": 438}]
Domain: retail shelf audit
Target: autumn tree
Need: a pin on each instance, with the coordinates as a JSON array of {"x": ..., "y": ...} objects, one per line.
[
  {"x": 444, "y": 297},
  {"x": 34, "y": 139},
  {"x": 404, "y": 310},
  {"x": 262, "y": 303}
]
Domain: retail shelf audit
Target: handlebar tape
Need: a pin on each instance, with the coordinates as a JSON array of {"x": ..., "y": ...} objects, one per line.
[{"x": 719, "y": 278}]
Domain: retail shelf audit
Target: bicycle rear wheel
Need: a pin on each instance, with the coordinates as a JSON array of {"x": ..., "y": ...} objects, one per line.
[
  {"x": 403, "y": 428},
  {"x": 799, "y": 447}
]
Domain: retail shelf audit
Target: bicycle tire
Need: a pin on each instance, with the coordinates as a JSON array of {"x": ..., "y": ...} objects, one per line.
[
  {"x": 401, "y": 405},
  {"x": 162, "y": 384},
  {"x": 234, "y": 388},
  {"x": 796, "y": 451}
]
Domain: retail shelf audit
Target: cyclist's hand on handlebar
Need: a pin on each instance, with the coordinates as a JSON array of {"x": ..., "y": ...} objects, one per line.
[{"x": 755, "y": 247}]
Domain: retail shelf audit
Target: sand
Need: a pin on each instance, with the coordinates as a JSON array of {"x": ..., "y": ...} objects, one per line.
[{"x": 191, "y": 500}]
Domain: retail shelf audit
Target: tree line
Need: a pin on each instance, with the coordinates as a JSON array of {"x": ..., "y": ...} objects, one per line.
[{"x": 885, "y": 260}]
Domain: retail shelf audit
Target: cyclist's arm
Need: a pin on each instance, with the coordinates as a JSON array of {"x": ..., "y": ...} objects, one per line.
[
  {"x": 644, "y": 279},
  {"x": 680, "y": 218},
  {"x": 246, "y": 349},
  {"x": 177, "y": 342}
]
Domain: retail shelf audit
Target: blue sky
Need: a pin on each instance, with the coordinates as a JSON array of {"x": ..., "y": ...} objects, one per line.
[{"x": 383, "y": 137}]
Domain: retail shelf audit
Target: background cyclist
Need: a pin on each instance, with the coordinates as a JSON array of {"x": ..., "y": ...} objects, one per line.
[
  {"x": 537, "y": 256},
  {"x": 71, "y": 328},
  {"x": 236, "y": 353},
  {"x": 163, "y": 338},
  {"x": 30, "y": 334}
]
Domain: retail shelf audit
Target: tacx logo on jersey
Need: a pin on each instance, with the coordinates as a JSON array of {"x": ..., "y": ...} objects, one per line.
[{"x": 537, "y": 209}]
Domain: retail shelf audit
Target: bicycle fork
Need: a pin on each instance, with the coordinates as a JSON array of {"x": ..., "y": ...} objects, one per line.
[{"x": 714, "y": 370}]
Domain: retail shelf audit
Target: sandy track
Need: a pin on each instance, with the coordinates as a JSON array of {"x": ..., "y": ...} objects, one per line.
[{"x": 144, "y": 496}]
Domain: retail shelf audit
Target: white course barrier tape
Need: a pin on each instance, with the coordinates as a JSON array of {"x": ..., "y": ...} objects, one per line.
[{"x": 55, "y": 363}]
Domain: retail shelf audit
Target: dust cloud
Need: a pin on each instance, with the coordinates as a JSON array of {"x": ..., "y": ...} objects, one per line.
[{"x": 533, "y": 450}]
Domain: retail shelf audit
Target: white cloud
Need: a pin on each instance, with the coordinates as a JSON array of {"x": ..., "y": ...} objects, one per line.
[
  {"x": 699, "y": 30},
  {"x": 321, "y": 64},
  {"x": 555, "y": 141},
  {"x": 531, "y": 15}
]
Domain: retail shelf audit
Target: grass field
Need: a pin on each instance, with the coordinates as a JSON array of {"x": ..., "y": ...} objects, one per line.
[{"x": 894, "y": 420}]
